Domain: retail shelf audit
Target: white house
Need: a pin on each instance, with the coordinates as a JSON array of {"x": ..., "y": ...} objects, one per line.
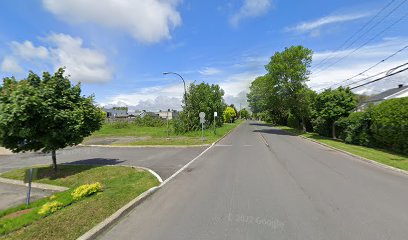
[
  {"x": 399, "y": 92},
  {"x": 114, "y": 112},
  {"x": 170, "y": 114}
]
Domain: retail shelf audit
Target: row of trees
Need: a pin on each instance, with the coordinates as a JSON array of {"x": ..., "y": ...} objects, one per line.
[{"x": 281, "y": 96}]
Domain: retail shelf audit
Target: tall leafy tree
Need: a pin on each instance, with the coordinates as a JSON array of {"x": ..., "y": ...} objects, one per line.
[
  {"x": 229, "y": 114},
  {"x": 283, "y": 91},
  {"x": 46, "y": 114},
  {"x": 244, "y": 113},
  {"x": 329, "y": 106},
  {"x": 201, "y": 98}
]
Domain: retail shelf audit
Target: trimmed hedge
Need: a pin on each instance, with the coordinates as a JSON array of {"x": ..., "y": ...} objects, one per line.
[
  {"x": 390, "y": 124},
  {"x": 384, "y": 125}
]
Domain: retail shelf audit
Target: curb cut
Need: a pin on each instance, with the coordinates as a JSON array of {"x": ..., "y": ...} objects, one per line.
[
  {"x": 112, "y": 219},
  {"x": 34, "y": 185},
  {"x": 378, "y": 164},
  {"x": 99, "y": 229}
]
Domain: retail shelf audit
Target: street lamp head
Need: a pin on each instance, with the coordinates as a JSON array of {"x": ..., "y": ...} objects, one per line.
[{"x": 165, "y": 73}]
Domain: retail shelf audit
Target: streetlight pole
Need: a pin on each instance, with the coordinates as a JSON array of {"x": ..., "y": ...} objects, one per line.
[{"x": 184, "y": 82}]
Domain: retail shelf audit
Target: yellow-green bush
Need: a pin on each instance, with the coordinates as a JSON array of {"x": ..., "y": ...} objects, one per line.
[
  {"x": 86, "y": 190},
  {"x": 50, "y": 207}
]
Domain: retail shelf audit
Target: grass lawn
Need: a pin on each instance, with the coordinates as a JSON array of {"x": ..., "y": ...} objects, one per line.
[
  {"x": 379, "y": 155},
  {"x": 158, "y": 135},
  {"x": 120, "y": 185}
]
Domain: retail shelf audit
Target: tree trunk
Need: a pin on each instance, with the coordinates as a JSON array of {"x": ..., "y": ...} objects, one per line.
[
  {"x": 303, "y": 125},
  {"x": 54, "y": 160},
  {"x": 333, "y": 131}
]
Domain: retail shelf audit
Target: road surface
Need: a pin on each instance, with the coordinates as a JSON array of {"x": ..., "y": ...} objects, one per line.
[
  {"x": 293, "y": 189},
  {"x": 163, "y": 160}
]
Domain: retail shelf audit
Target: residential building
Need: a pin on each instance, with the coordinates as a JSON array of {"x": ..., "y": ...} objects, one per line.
[
  {"x": 170, "y": 114},
  {"x": 399, "y": 92}
]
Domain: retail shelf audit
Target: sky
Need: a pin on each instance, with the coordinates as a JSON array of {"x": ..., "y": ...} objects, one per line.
[{"x": 118, "y": 49}]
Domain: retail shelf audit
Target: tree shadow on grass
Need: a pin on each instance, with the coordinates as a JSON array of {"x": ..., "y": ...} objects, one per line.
[{"x": 72, "y": 168}]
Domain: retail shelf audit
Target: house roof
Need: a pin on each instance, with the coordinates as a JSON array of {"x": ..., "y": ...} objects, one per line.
[{"x": 385, "y": 94}]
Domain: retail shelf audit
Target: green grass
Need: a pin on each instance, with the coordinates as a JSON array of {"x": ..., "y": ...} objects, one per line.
[
  {"x": 158, "y": 135},
  {"x": 121, "y": 184},
  {"x": 376, "y": 154}
]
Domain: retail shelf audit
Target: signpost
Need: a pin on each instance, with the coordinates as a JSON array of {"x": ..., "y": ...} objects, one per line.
[
  {"x": 202, "y": 121},
  {"x": 215, "y": 115},
  {"x": 29, "y": 175}
]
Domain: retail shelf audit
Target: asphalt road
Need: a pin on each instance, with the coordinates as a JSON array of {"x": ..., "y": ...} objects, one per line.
[
  {"x": 164, "y": 160},
  {"x": 293, "y": 189}
]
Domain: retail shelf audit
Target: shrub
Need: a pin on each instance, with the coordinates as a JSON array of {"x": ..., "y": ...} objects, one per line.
[
  {"x": 120, "y": 124},
  {"x": 390, "y": 124},
  {"x": 86, "y": 190},
  {"x": 321, "y": 126},
  {"x": 50, "y": 207},
  {"x": 355, "y": 128},
  {"x": 293, "y": 121},
  {"x": 149, "y": 121}
]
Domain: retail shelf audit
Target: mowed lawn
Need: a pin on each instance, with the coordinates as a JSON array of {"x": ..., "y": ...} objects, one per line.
[
  {"x": 132, "y": 135},
  {"x": 376, "y": 154},
  {"x": 120, "y": 185}
]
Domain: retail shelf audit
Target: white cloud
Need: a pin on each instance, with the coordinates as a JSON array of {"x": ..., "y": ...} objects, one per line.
[
  {"x": 151, "y": 98},
  {"x": 148, "y": 21},
  {"x": 251, "y": 8},
  {"x": 27, "y": 50},
  {"x": 240, "y": 100},
  {"x": 9, "y": 64},
  {"x": 82, "y": 64},
  {"x": 208, "y": 71},
  {"x": 315, "y": 25},
  {"x": 358, "y": 62},
  {"x": 236, "y": 83}
]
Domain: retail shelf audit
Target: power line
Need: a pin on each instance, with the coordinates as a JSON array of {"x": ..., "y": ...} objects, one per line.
[
  {"x": 365, "y": 43},
  {"x": 375, "y": 75},
  {"x": 378, "y": 79},
  {"x": 358, "y": 31},
  {"x": 373, "y": 66}
]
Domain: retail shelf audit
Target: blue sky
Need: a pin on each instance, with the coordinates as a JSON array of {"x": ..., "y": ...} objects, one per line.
[{"x": 119, "y": 49}]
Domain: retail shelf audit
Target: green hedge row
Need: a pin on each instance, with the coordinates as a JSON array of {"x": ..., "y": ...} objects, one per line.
[{"x": 384, "y": 125}]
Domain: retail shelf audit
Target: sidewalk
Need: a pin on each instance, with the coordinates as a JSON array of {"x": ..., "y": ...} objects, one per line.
[
  {"x": 13, "y": 195},
  {"x": 4, "y": 151}
]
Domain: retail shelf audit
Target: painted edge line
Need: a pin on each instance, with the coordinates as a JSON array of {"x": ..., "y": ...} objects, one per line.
[
  {"x": 378, "y": 164},
  {"x": 99, "y": 229},
  {"x": 186, "y": 166}
]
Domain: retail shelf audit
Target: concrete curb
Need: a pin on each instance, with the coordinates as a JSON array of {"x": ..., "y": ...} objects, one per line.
[
  {"x": 111, "y": 220},
  {"x": 381, "y": 165},
  {"x": 96, "y": 231},
  {"x": 33, "y": 184}
]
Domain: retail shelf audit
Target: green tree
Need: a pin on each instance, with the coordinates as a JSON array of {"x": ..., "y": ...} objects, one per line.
[
  {"x": 244, "y": 113},
  {"x": 200, "y": 98},
  {"x": 330, "y": 105},
  {"x": 229, "y": 114},
  {"x": 283, "y": 90},
  {"x": 45, "y": 114}
]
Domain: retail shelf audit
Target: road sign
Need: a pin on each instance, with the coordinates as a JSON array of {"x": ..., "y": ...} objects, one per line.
[
  {"x": 202, "y": 117},
  {"x": 215, "y": 114}
]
